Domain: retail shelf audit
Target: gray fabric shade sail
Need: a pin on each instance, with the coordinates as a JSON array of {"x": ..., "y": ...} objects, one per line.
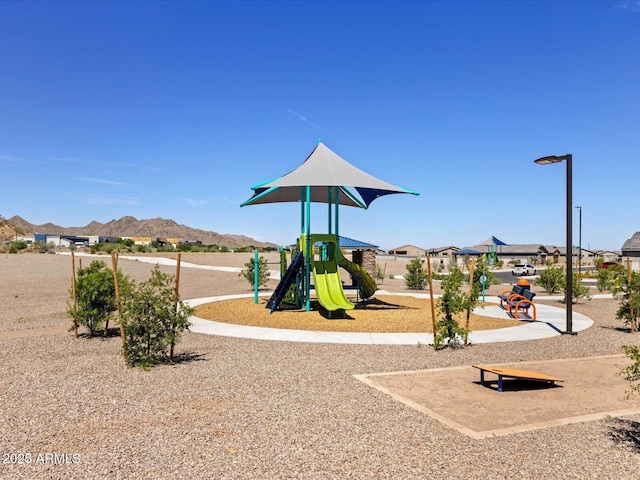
[{"x": 321, "y": 170}]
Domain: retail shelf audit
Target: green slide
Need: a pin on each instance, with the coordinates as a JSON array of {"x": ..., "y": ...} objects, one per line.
[
  {"x": 326, "y": 276},
  {"x": 367, "y": 284},
  {"x": 328, "y": 284}
]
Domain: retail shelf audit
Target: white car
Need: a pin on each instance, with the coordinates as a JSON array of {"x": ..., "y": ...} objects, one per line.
[{"x": 523, "y": 269}]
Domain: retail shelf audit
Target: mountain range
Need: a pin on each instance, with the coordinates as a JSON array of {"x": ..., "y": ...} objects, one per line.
[{"x": 132, "y": 227}]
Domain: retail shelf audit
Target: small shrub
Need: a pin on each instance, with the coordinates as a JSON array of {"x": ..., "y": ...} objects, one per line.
[
  {"x": 552, "y": 280},
  {"x": 263, "y": 271},
  {"x": 151, "y": 321},
  {"x": 578, "y": 291},
  {"x": 632, "y": 372},
  {"x": 17, "y": 245},
  {"x": 452, "y": 302},
  {"x": 417, "y": 276},
  {"x": 95, "y": 297},
  {"x": 629, "y": 294},
  {"x": 379, "y": 274}
]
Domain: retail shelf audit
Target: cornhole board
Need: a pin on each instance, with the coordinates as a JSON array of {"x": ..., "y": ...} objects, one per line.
[{"x": 514, "y": 373}]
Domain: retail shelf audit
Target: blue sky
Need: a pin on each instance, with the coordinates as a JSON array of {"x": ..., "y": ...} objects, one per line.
[{"x": 175, "y": 109}]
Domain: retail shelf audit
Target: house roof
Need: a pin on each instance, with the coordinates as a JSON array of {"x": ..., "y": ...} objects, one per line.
[
  {"x": 406, "y": 247},
  {"x": 442, "y": 249},
  {"x": 346, "y": 242},
  {"x": 604, "y": 252},
  {"x": 632, "y": 244}
]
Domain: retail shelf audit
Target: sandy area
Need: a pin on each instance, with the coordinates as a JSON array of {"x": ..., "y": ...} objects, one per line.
[{"x": 238, "y": 408}]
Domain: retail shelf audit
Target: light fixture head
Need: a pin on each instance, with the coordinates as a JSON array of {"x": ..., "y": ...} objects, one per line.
[{"x": 552, "y": 159}]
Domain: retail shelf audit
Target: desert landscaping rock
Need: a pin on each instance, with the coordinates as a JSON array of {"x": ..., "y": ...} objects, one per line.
[{"x": 237, "y": 408}]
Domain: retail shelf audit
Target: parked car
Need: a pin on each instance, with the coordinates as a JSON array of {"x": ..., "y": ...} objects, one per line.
[
  {"x": 523, "y": 269},
  {"x": 606, "y": 265}
]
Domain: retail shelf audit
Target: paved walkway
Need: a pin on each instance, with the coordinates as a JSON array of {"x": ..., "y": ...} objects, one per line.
[{"x": 551, "y": 322}]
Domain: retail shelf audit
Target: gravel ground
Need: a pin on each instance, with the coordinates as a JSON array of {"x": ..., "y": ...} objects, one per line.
[{"x": 235, "y": 408}]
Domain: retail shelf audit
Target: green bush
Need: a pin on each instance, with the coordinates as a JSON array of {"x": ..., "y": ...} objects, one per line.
[
  {"x": 43, "y": 247},
  {"x": 608, "y": 278},
  {"x": 95, "y": 297},
  {"x": 417, "y": 276},
  {"x": 578, "y": 291},
  {"x": 632, "y": 372},
  {"x": 551, "y": 279},
  {"x": 152, "y": 321},
  {"x": 263, "y": 271},
  {"x": 379, "y": 274},
  {"x": 17, "y": 245},
  {"x": 628, "y": 290},
  {"x": 452, "y": 302}
]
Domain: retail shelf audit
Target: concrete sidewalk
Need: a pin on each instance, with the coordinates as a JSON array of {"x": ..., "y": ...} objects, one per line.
[{"x": 551, "y": 322}]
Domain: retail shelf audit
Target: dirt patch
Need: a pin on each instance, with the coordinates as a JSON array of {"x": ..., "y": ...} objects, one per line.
[
  {"x": 34, "y": 331},
  {"x": 382, "y": 314},
  {"x": 591, "y": 389}
]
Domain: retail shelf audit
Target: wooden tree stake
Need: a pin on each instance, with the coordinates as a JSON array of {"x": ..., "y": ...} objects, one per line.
[
  {"x": 114, "y": 262},
  {"x": 175, "y": 301},
  {"x": 433, "y": 307},
  {"x": 73, "y": 290},
  {"x": 466, "y": 326}
]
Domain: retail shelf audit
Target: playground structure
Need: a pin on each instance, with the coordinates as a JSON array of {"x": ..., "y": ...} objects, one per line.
[
  {"x": 323, "y": 177},
  {"x": 324, "y": 258}
]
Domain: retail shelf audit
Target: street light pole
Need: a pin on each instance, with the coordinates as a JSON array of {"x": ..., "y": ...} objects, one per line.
[
  {"x": 569, "y": 243},
  {"x": 580, "y": 243}
]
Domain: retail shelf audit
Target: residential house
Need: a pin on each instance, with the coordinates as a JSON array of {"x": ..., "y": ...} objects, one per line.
[
  {"x": 442, "y": 255},
  {"x": 631, "y": 251},
  {"x": 409, "y": 251},
  {"x": 606, "y": 255}
]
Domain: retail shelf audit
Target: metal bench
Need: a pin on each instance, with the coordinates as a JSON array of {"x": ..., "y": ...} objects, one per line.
[
  {"x": 521, "y": 302},
  {"x": 504, "y": 296}
]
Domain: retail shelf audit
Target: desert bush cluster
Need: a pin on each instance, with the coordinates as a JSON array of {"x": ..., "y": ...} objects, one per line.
[{"x": 150, "y": 313}]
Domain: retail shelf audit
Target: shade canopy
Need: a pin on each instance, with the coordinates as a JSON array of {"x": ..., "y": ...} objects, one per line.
[
  {"x": 321, "y": 170},
  {"x": 492, "y": 241}
]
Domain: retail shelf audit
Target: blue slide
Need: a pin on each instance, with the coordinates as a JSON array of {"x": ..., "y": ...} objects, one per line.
[{"x": 285, "y": 282}]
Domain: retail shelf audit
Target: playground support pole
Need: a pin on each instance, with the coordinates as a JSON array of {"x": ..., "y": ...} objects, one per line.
[
  {"x": 256, "y": 276},
  {"x": 329, "y": 202},
  {"x": 337, "y": 195},
  {"x": 308, "y": 249}
]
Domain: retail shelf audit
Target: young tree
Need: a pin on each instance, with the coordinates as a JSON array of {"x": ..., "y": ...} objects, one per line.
[
  {"x": 416, "y": 276},
  {"x": 481, "y": 268},
  {"x": 632, "y": 372},
  {"x": 552, "y": 279},
  {"x": 151, "y": 321},
  {"x": 627, "y": 288},
  {"x": 578, "y": 291},
  {"x": 452, "y": 302},
  {"x": 263, "y": 271},
  {"x": 604, "y": 279},
  {"x": 95, "y": 297}
]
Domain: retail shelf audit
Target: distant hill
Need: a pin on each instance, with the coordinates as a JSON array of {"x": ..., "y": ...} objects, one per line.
[
  {"x": 9, "y": 231},
  {"x": 132, "y": 227}
]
